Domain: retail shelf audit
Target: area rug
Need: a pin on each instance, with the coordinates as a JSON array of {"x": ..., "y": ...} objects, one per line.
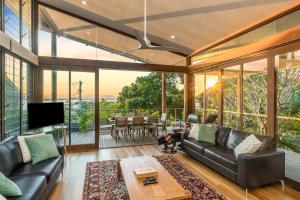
[{"x": 101, "y": 182}]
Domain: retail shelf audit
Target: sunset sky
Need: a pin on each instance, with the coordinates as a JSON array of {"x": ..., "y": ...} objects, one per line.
[{"x": 111, "y": 81}]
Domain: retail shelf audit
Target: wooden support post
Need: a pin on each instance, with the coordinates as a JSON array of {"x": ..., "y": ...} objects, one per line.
[
  {"x": 220, "y": 97},
  {"x": 271, "y": 95},
  {"x": 188, "y": 95},
  {"x": 163, "y": 92}
]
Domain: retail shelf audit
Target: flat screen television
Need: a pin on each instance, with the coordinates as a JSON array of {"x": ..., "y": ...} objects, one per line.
[{"x": 45, "y": 114}]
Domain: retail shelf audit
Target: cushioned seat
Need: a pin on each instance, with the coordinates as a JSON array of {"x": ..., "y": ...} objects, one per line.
[
  {"x": 46, "y": 168},
  {"x": 224, "y": 157},
  {"x": 196, "y": 146},
  {"x": 33, "y": 187}
]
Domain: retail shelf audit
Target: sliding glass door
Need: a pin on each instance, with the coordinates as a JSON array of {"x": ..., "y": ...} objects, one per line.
[
  {"x": 82, "y": 108},
  {"x": 78, "y": 92}
]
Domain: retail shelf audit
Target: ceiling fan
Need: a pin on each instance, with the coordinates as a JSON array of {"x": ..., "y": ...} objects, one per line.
[{"x": 145, "y": 43}]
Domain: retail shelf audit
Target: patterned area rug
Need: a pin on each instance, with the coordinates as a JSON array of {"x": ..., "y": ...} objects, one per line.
[{"x": 101, "y": 182}]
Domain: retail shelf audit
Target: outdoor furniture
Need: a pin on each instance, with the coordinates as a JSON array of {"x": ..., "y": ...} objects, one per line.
[
  {"x": 121, "y": 125},
  {"x": 210, "y": 119},
  {"x": 163, "y": 121},
  {"x": 137, "y": 125},
  {"x": 142, "y": 114},
  {"x": 130, "y": 114},
  {"x": 152, "y": 125}
]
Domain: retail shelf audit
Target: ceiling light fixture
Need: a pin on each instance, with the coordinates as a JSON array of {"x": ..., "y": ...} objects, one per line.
[
  {"x": 84, "y": 2},
  {"x": 172, "y": 37}
]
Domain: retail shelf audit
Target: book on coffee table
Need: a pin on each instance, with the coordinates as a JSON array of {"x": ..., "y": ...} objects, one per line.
[{"x": 145, "y": 172}]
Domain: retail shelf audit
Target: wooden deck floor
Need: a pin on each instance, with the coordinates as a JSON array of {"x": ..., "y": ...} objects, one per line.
[
  {"x": 292, "y": 165},
  {"x": 70, "y": 187}
]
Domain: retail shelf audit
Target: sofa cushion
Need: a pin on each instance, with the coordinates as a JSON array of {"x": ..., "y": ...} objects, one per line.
[
  {"x": 24, "y": 148},
  {"x": 33, "y": 187},
  {"x": 235, "y": 138},
  {"x": 222, "y": 135},
  {"x": 268, "y": 142},
  {"x": 46, "y": 168},
  {"x": 249, "y": 145},
  {"x": 8, "y": 187},
  {"x": 196, "y": 146},
  {"x": 207, "y": 133},
  {"x": 42, "y": 148},
  {"x": 10, "y": 155},
  {"x": 224, "y": 157}
]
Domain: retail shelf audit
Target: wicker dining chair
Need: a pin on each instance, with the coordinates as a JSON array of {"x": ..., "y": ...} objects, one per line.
[
  {"x": 152, "y": 125},
  {"x": 121, "y": 125},
  {"x": 137, "y": 125}
]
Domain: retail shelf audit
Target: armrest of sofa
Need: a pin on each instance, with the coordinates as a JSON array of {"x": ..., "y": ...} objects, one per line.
[
  {"x": 61, "y": 151},
  {"x": 261, "y": 168}
]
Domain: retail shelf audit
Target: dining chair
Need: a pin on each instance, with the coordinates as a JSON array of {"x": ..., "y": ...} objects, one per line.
[
  {"x": 130, "y": 114},
  {"x": 152, "y": 125},
  {"x": 163, "y": 121},
  {"x": 144, "y": 114},
  {"x": 121, "y": 125},
  {"x": 137, "y": 125}
]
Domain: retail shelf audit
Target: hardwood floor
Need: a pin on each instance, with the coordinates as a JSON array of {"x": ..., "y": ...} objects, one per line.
[{"x": 70, "y": 187}]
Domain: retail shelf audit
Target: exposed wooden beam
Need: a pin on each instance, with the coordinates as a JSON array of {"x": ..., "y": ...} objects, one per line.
[
  {"x": 106, "y": 23},
  {"x": 103, "y": 64},
  {"x": 255, "y": 49},
  {"x": 249, "y": 28}
]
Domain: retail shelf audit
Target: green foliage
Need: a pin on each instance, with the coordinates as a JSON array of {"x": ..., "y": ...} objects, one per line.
[
  {"x": 146, "y": 91},
  {"x": 289, "y": 108},
  {"x": 84, "y": 115}
]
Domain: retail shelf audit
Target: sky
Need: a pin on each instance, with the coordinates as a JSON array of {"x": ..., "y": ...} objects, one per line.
[{"x": 111, "y": 81}]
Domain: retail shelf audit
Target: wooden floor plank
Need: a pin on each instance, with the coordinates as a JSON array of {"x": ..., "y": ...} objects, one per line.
[{"x": 70, "y": 187}]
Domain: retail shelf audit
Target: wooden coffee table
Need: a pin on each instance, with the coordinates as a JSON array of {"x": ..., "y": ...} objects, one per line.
[{"x": 167, "y": 187}]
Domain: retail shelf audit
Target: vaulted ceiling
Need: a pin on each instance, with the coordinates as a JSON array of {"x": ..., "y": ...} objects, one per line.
[{"x": 185, "y": 24}]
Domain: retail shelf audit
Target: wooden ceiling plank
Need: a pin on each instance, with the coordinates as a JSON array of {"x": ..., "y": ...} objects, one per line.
[{"x": 103, "y": 22}]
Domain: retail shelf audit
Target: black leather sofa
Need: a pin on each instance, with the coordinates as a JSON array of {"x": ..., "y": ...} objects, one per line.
[
  {"x": 35, "y": 181},
  {"x": 248, "y": 170}
]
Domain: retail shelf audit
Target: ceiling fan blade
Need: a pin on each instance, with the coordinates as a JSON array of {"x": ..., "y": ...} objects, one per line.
[
  {"x": 131, "y": 50},
  {"x": 139, "y": 36},
  {"x": 163, "y": 48}
]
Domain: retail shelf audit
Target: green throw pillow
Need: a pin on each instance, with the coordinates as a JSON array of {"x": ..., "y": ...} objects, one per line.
[
  {"x": 42, "y": 148},
  {"x": 207, "y": 133},
  {"x": 8, "y": 188}
]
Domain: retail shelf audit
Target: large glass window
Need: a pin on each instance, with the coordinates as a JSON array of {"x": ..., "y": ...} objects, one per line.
[
  {"x": 199, "y": 93},
  {"x": 12, "y": 95},
  {"x": 288, "y": 100},
  {"x": 212, "y": 86},
  {"x": 12, "y": 18},
  {"x": 255, "y": 96},
  {"x": 231, "y": 96},
  {"x": 27, "y": 85},
  {"x": 26, "y": 23}
]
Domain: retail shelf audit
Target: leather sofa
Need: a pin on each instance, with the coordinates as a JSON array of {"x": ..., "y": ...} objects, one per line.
[
  {"x": 35, "y": 181},
  {"x": 247, "y": 170}
]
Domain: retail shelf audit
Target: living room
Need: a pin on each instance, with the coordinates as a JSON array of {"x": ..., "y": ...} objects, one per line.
[{"x": 149, "y": 99}]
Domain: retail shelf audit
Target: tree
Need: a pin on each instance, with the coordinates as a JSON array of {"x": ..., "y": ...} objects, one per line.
[{"x": 145, "y": 92}]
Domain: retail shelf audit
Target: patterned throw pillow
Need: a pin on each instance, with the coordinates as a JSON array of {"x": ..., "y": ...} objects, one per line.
[{"x": 250, "y": 145}]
